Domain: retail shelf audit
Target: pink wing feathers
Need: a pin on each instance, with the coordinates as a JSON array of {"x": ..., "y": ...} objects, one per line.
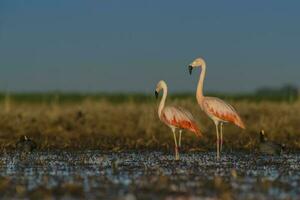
[
  {"x": 180, "y": 118},
  {"x": 222, "y": 110}
]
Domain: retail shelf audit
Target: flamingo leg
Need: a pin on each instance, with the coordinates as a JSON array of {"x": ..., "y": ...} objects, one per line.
[
  {"x": 179, "y": 143},
  {"x": 176, "y": 147},
  {"x": 218, "y": 140},
  {"x": 221, "y": 142}
]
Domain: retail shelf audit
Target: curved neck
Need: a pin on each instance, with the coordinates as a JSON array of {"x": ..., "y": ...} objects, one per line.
[
  {"x": 200, "y": 83},
  {"x": 163, "y": 100}
]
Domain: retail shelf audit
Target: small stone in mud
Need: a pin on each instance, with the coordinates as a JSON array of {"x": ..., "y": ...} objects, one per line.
[{"x": 234, "y": 173}]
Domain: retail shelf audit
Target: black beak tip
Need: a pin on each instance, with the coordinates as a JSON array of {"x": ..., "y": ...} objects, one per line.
[
  {"x": 156, "y": 94},
  {"x": 190, "y": 69}
]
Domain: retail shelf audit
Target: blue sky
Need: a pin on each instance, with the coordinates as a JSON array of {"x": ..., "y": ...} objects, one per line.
[{"x": 127, "y": 46}]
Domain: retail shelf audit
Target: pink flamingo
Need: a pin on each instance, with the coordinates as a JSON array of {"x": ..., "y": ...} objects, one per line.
[
  {"x": 175, "y": 117},
  {"x": 218, "y": 110}
]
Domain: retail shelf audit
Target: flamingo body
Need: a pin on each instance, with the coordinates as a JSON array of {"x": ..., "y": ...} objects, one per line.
[
  {"x": 177, "y": 117},
  {"x": 219, "y": 110}
]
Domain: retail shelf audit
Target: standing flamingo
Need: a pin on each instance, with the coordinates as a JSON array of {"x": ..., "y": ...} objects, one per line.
[
  {"x": 218, "y": 110},
  {"x": 175, "y": 117}
]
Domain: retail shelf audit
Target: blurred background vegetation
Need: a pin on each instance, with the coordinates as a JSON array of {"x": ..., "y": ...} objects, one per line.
[
  {"x": 287, "y": 93},
  {"x": 130, "y": 122}
]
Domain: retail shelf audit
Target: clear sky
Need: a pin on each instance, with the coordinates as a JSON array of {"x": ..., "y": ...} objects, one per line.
[{"x": 126, "y": 45}]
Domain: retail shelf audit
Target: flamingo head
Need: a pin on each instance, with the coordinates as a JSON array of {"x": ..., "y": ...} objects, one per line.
[
  {"x": 198, "y": 62},
  {"x": 160, "y": 85}
]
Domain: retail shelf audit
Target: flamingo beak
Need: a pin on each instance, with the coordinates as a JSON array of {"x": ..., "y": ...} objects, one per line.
[
  {"x": 156, "y": 94},
  {"x": 190, "y": 69}
]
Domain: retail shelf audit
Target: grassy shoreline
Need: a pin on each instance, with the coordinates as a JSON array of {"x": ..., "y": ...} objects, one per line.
[{"x": 131, "y": 125}]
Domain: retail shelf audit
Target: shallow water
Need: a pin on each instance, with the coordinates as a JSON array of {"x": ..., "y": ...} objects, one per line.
[{"x": 148, "y": 175}]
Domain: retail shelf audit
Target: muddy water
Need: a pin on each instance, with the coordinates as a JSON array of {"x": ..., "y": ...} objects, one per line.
[{"x": 148, "y": 175}]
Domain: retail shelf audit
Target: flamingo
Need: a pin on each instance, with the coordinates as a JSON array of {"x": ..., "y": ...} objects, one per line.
[
  {"x": 175, "y": 117},
  {"x": 218, "y": 110}
]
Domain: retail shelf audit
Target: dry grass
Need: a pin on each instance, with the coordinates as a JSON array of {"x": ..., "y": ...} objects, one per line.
[{"x": 132, "y": 126}]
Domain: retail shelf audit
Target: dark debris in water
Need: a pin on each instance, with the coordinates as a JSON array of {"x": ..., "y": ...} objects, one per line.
[{"x": 148, "y": 175}]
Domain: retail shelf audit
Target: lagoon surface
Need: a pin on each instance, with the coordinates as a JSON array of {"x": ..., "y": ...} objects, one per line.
[{"x": 148, "y": 175}]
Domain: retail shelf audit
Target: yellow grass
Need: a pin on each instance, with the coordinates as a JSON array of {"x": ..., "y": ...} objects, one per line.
[{"x": 135, "y": 126}]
